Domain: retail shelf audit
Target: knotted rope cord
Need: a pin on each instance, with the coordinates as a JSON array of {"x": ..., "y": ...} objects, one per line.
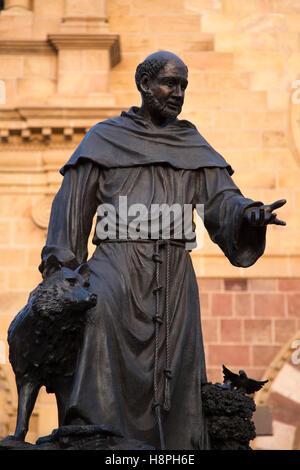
[
  {"x": 167, "y": 371},
  {"x": 158, "y": 322}
]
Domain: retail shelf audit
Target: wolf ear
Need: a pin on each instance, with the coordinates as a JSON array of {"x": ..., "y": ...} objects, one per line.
[
  {"x": 84, "y": 271},
  {"x": 52, "y": 265}
]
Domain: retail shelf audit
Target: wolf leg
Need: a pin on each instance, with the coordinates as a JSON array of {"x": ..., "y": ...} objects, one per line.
[
  {"x": 27, "y": 395},
  {"x": 62, "y": 393}
]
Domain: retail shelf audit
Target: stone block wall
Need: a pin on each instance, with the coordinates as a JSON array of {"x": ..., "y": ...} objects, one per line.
[{"x": 246, "y": 322}]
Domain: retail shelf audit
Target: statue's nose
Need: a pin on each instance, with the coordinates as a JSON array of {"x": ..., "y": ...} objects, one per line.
[{"x": 178, "y": 91}]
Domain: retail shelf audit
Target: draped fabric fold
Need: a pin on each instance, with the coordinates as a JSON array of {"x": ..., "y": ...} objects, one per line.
[{"x": 129, "y": 140}]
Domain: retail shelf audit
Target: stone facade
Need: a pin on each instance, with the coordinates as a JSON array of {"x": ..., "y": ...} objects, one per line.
[{"x": 67, "y": 64}]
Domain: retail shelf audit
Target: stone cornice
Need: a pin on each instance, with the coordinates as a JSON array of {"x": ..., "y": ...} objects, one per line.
[
  {"x": 24, "y": 46},
  {"x": 74, "y": 112},
  {"x": 110, "y": 42},
  {"x": 21, "y": 117},
  {"x": 25, "y": 126},
  {"x": 56, "y": 42}
]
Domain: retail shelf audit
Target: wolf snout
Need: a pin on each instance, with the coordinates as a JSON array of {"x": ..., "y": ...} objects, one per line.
[{"x": 92, "y": 299}]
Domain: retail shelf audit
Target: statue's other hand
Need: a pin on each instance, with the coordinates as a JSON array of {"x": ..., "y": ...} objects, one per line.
[{"x": 264, "y": 215}]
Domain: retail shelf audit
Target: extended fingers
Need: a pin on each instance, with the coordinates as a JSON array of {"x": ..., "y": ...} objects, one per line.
[
  {"x": 279, "y": 222},
  {"x": 277, "y": 204},
  {"x": 272, "y": 219}
]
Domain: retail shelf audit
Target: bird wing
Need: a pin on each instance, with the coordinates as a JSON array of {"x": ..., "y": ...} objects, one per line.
[
  {"x": 228, "y": 375},
  {"x": 254, "y": 385}
]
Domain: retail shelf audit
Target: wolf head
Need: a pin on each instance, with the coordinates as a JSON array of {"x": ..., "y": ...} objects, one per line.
[{"x": 63, "y": 290}]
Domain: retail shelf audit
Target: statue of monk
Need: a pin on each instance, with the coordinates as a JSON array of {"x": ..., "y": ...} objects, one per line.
[{"x": 142, "y": 363}]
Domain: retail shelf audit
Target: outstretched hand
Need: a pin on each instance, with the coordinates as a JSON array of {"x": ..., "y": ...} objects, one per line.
[{"x": 264, "y": 215}]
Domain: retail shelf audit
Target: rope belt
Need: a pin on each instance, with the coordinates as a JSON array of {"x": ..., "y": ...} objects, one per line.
[{"x": 160, "y": 319}]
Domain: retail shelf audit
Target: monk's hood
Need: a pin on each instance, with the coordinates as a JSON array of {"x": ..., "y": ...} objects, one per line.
[{"x": 130, "y": 140}]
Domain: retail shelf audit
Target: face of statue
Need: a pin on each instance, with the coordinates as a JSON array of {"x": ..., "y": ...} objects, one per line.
[{"x": 164, "y": 94}]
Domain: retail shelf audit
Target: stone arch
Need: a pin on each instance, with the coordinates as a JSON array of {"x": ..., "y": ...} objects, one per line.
[{"x": 282, "y": 395}]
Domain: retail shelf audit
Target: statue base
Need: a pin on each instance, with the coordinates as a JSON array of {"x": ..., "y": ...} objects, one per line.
[
  {"x": 87, "y": 437},
  {"x": 228, "y": 416}
]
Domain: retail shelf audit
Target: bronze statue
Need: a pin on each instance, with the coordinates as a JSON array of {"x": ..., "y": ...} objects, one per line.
[{"x": 141, "y": 364}]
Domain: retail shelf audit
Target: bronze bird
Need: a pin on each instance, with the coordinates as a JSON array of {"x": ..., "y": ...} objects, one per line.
[{"x": 241, "y": 383}]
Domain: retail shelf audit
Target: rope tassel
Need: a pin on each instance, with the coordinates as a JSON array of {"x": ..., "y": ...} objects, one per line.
[
  {"x": 167, "y": 401},
  {"x": 157, "y": 408}
]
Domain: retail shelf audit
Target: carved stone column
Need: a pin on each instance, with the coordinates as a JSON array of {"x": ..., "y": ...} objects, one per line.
[
  {"x": 17, "y": 7},
  {"x": 84, "y": 64},
  {"x": 85, "y": 8},
  {"x": 86, "y": 16}
]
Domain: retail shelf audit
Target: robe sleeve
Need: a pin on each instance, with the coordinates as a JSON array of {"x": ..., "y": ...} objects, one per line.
[
  {"x": 71, "y": 218},
  {"x": 224, "y": 207}
]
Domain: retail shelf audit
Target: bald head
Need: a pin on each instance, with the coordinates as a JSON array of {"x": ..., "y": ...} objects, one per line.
[
  {"x": 154, "y": 63},
  {"x": 161, "y": 80}
]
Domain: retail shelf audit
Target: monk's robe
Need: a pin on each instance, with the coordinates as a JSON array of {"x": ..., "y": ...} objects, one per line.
[{"x": 142, "y": 348}]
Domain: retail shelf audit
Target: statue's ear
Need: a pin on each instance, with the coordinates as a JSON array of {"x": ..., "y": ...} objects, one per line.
[
  {"x": 52, "y": 265},
  {"x": 84, "y": 271},
  {"x": 145, "y": 82}
]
